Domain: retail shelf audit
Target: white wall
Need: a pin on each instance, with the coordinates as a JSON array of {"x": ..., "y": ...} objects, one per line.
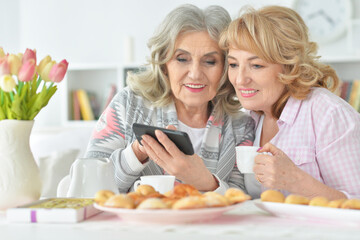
[
  {"x": 93, "y": 31},
  {"x": 9, "y": 25}
]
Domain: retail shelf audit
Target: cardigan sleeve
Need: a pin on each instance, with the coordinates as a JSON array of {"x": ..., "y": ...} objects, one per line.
[{"x": 243, "y": 134}]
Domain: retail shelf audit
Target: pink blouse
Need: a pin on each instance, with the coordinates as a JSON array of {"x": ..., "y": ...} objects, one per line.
[{"x": 321, "y": 135}]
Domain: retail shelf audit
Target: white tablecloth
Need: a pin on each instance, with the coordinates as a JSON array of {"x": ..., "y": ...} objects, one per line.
[{"x": 244, "y": 222}]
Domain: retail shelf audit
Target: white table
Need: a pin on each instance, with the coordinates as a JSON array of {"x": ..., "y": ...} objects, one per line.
[{"x": 245, "y": 222}]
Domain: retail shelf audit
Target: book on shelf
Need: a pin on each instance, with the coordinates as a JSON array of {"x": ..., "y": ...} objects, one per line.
[
  {"x": 85, "y": 105},
  {"x": 350, "y": 92},
  {"x": 344, "y": 90},
  {"x": 353, "y": 93},
  {"x": 94, "y": 103},
  {"x": 356, "y": 100},
  {"x": 110, "y": 96},
  {"x": 75, "y": 106}
]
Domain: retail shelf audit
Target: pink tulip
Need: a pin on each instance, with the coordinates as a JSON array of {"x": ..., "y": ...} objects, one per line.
[
  {"x": 27, "y": 70},
  {"x": 58, "y": 71},
  {"x": 29, "y": 54},
  {"x": 4, "y": 67}
]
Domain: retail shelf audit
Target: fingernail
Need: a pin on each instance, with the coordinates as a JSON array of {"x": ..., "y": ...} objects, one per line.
[
  {"x": 145, "y": 138},
  {"x": 158, "y": 133},
  {"x": 259, "y": 149}
]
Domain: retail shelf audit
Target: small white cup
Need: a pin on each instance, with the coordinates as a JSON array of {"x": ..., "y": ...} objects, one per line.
[
  {"x": 245, "y": 156},
  {"x": 161, "y": 183}
]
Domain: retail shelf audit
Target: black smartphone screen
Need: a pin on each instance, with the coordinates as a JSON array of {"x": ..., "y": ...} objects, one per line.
[{"x": 181, "y": 139}]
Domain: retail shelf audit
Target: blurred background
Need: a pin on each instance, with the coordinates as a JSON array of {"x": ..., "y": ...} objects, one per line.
[{"x": 102, "y": 39}]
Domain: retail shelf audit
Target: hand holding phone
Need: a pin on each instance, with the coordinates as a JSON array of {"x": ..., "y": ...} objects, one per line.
[{"x": 181, "y": 139}]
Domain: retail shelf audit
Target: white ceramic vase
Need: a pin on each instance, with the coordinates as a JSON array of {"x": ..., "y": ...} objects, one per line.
[{"x": 20, "y": 181}]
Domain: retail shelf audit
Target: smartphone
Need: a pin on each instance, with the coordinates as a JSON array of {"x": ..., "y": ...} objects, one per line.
[{"x": 181, "y": 139}]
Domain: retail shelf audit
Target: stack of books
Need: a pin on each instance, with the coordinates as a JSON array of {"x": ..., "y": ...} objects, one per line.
[{"x": 86, "y": 104}]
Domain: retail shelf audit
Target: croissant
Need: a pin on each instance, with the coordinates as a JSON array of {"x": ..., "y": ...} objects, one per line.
[{"x": 183, "y": 190}]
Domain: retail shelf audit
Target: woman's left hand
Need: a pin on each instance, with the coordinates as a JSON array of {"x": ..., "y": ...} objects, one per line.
[
  {"x": 276, "y": 171},
  {"x": 187, "y": 168}
]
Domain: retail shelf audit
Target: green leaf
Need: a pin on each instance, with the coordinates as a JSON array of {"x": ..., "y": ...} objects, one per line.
[
  {"x": 40, "y": 101},
  {"x": 34, "y": 85},
  {"x": 2, "y": 114}
]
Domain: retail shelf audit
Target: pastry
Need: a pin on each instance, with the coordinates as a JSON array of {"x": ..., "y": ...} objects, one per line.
[
  {"x": 351, "y": 204},
  {"x": 155, "y": 195},
  {"x": 272, "y": 196},
  {"x": 319, "y": 201},
  {"x": 120, "y": 201},
  {"x": 213, "y": 199},
  {"x": 296, "y": 199},
  {"x": 169, "y": 201},
  {"x": 136, "y": 197},
  {"x": 336, "y": 203},
  {"x": 168, "y": 193},
  {"x": 234, "y": 195},
  {"x": 183, "y": 190},
  {"x": 189, "y": 202},
  {"x": 103, "y": 195},
  {"x": 145, "y": 190},
  {"x": 152, "y": 203}
]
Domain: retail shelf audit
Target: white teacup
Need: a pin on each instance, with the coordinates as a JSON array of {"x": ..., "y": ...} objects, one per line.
[
  {"x": 245, "y": 156},
  {"x": 161, "y": 183}
]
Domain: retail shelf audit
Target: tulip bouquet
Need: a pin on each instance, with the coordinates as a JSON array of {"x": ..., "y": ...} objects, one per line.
[{"x": 25, "y": 88}]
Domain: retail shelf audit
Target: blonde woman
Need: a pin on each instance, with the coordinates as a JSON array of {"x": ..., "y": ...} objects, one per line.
[
  {"x": 185, "y": 86},
  {"x": 312, "y": 134}
]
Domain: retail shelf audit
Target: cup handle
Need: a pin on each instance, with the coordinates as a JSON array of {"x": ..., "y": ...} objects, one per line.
[{"x": 136, "y": 184}]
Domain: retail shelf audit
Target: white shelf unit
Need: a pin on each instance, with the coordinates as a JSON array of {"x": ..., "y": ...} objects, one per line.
[{"x": 96, "y": 78}]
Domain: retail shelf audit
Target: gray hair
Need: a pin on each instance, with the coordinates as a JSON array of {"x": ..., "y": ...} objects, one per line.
[{"x": 152, "y": 83}]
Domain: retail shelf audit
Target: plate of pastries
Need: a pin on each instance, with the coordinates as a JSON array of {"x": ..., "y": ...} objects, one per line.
[
  {"x": 183, "y": 204},
  {"x": 317, "y": 208}
]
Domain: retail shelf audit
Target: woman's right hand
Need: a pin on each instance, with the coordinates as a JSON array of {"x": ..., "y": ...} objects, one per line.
[
  {"x": 139, "y": 151},
  {"x": 189, "y": 169}
]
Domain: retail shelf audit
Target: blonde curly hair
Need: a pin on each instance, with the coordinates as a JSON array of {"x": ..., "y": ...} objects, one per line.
[
  {"x": 279, "y": 35},
  {"x": 153, "y": 84}
]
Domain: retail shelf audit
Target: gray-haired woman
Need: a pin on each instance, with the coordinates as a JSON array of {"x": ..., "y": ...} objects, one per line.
[{"x": 185, "y": 86}]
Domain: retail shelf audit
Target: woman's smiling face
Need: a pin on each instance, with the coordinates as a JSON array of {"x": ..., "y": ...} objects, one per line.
[
  {"x": 195, "y": 69},
  {"x": 255, "y": 80}
]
